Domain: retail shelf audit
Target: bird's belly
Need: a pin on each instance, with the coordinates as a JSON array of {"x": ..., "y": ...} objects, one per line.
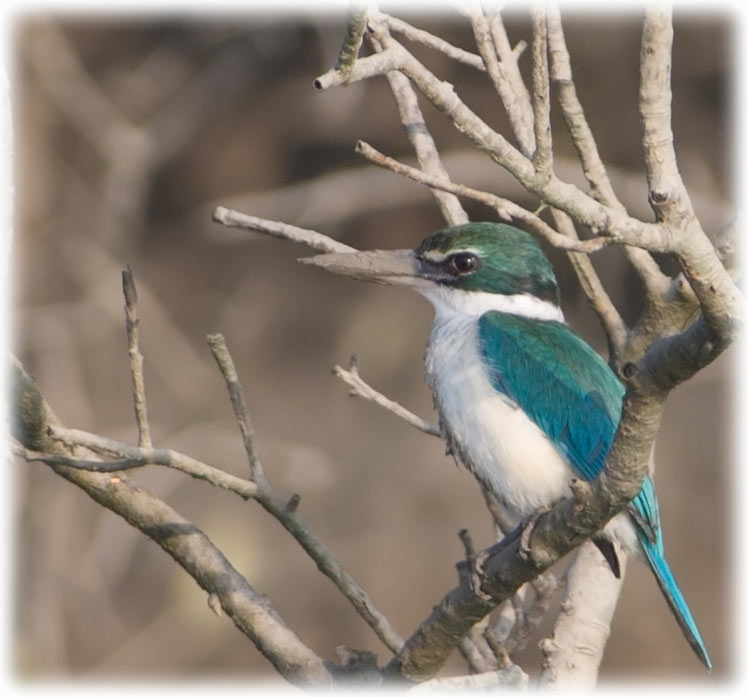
[{"x": 489, "y": 434}]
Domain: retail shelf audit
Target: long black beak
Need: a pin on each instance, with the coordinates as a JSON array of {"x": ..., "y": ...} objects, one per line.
[{"x": 395, "y": 267}]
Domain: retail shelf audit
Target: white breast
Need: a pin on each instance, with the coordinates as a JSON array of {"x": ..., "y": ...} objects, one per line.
[{"x": 491, "y": 435}]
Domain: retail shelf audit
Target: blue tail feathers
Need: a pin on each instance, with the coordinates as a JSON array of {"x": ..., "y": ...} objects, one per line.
[{"x": 673, "y": 595}]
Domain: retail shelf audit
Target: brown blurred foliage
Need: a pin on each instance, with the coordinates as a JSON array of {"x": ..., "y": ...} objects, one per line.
[{"x": 129, "y": 130}]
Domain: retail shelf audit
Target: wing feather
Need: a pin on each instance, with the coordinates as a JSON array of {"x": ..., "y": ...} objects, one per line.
[{"x": 559, "y": 381}]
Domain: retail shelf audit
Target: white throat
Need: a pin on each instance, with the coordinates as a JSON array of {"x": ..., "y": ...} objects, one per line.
[{"x": 450, "y": 301}]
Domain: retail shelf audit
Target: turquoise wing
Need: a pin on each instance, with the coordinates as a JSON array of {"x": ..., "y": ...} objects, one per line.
[{"x": 559, "y": 381}]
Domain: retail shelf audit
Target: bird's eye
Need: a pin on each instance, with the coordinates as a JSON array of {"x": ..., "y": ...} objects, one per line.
[{"x": 462, "y": 263}]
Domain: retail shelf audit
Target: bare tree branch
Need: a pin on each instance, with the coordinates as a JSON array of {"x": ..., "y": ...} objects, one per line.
[
  {"x": 582, "y": 207},
  {"x": 509, "y": 58},
  {"x": 615, "y": 328},
  {"x": 720, "y": 299},
  {"x": 226, "y": 365},
  {"x": 573, "y": 113},
  {"x": 572, "y": 657},
  {"x": 310, "y": 238},
  {"x": 506, "y": 209},
  {"x": 136, "y": 359},
  {"x": 71, "y": 439},
  {"x": 354, "y": 36},
  {"x": 666, "y": 346},
  {"x": 542, "y": 158},
  {"x": 511, "y": 677},
  {"x": 251, "y": 612},
  {"x": 284, "y": 511},
  {"x": 438, "y": 44},
  {"x": 360, "y": 388},
  {"x": 518, "y": 116},
  {"x": 418, "y": 134},
  {"x": 584, "y": 143}
]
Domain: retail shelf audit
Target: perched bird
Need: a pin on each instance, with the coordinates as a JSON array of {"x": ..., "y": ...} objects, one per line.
[{"x": 524, "y": 403}]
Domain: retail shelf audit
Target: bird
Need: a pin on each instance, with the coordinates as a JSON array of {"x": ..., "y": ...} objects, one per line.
[{"x": 524, "y": 402}]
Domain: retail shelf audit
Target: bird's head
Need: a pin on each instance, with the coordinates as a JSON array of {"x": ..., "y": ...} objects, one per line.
[{"x": 467, "y": 267}]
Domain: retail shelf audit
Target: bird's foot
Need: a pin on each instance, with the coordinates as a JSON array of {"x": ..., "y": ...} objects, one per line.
[{"x": 524, "y": 539}]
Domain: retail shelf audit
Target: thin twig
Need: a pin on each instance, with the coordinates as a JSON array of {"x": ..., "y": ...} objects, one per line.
[
  {"x": 432, "y": 41},
  {"x": 164, "y": 457},
  {"x": 506, "y": 209},
  {"x": 310, "y": 238},
  {"x": 366, "y": 67},
  {"x": 236, "y": 393},
  {"x": 78, "y": 463},
  {"x": 360, "y": 388},
  {"x": 136, "y": 358}
]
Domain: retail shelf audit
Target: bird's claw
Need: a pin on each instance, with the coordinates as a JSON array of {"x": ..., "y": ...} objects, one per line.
[{"x": 524, "y": 539}]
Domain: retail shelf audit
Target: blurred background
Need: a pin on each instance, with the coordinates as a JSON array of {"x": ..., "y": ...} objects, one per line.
[{"x": 130, "y": 130}]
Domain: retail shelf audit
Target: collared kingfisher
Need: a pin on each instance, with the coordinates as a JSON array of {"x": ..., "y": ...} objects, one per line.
[{"x": 524, "y": 403}]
